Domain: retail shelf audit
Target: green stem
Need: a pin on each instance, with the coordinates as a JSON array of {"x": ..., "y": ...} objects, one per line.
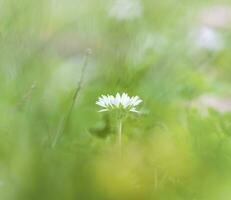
[{"x": 119, "y": 136}]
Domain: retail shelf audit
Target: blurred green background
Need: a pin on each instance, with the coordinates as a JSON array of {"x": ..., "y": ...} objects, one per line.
[{"x": 174, "y": 54}]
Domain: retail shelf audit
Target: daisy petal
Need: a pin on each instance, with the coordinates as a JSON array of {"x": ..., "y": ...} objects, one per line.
[
  {"x": 103, "y": 110},
  {"x": 137, "y": 102},
  {"x": 100, "y": 103},
  {"x": 134, "y": 110}
]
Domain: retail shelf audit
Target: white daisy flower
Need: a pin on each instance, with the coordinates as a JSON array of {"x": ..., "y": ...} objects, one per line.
[
  {"x": 210, "y": 39},
  {"x": 120, "y": 102},
  {"x": 126, "y": 9}
]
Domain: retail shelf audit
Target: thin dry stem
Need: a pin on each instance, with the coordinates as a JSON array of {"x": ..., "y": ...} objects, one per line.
[{"x": 65, "y": 120}]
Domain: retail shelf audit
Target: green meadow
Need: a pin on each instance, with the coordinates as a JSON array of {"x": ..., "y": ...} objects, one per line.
[{"x": 57, "y": 57}]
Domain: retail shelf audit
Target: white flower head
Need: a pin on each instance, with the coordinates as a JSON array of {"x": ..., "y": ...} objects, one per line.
[
  {"x": 126, "y": 9},
  {"x": 210, "y": 39},
  {"x": 119, "y": 102}
]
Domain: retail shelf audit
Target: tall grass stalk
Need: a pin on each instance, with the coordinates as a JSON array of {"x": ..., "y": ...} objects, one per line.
[{"x": 65, "y": 120}]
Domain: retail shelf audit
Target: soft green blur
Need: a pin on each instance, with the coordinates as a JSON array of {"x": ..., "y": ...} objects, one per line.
[{"x": 176, "y": 149}]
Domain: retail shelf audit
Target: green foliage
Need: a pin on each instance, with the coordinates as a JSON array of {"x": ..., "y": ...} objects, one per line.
[{"x": 176, "y": 149}]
